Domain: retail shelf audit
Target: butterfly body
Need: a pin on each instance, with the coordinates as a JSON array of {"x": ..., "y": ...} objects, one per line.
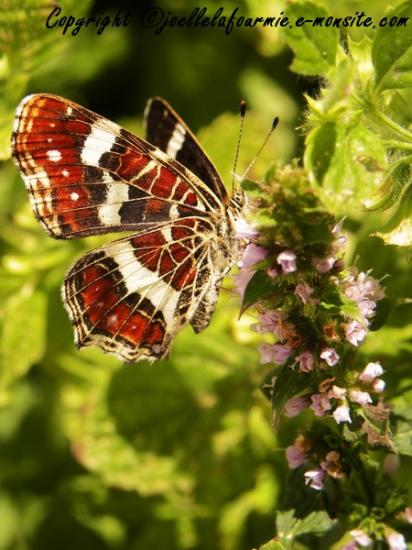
[{"x": 86, "y": 176}]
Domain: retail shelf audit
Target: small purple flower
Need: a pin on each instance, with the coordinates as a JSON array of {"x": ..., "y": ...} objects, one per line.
[
  {"x": 253, "y": 254},
  {"x": 361, "y": 537},
  {"x": 295, "y": 405},
  {"x": 304, "y": 291},
  {"x": 367, "y": 308},
  {"x": 287, "y": 259},
  {"x": 396, "y": 541},
  {"x": 274, "y": 353},
  {"x": 245, "y": 230},
  {"x": 360, "y": 397},
  {"x": 305, "y": 360},
  {"x": 355, "y": 332},
  {"x": 371, "y": 371},
  {"x": 320, "y": 403},
  {"x": 350, "y": 546},
  {"x": 295, "y": 457},
  {"x": 270, "y": 320},
  {"x": 341, "y": 414},
  {"x": 314, "y": 478},
  {"x": 337, "y": 393},
  {"x": 330, "y": 356},
  {"x": 323, "y": 265}
]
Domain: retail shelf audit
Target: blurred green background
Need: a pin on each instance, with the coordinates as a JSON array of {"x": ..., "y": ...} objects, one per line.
[{"x": 180, "y": 454}]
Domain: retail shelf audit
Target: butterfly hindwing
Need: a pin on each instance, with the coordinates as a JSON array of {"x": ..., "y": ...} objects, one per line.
[{"x": 132, "y": 296}]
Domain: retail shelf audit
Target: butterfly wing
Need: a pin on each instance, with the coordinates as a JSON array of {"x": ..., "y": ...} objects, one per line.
[
  {"x": 86, "y": 175},
  {"x": 166, "y": 130},
  {"x": 133, "y": 295}
]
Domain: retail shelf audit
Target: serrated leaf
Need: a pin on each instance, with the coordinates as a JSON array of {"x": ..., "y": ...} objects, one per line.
[
  {"x": 392, "y": 52},
  {"x": 24, "y": 333},
  {"x": 352, "y": 171},
  {"x": 376, "y": 426},
  {"x": 316, "y": 522},
  {"x": 314, "y": 47}
]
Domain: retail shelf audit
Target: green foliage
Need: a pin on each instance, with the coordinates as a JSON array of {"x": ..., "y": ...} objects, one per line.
[{"x": 181, "y": 454}]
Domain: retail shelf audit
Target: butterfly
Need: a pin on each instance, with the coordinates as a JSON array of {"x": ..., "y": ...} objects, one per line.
[{"x": 88, "y": 176}]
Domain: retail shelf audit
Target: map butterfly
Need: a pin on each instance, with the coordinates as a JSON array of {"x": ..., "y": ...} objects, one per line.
[{"x": 86, "y": 176}]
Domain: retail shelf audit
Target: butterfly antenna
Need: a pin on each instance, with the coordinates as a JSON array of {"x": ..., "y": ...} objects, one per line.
[
  {"x": 242, "y": 122},
  {"x": 254, "y": 159}
]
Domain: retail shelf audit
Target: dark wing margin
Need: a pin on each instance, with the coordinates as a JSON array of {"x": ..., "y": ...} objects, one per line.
[{"x": 166, "y": 129}]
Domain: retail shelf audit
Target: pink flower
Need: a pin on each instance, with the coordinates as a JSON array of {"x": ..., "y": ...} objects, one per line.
[
  {"x": 314, "y": 478},
  {"x": 270, "y": 320},
  {"x": 367, "y": 307},
  {"x": 350, "y": 546},
  {"x": 396, "y": 541},
  {"x": 371, "y": 371},
  {"x": 287, "y": 259},
  {"x": 295, "y": 457},
  {"x": 273, "y": 353},
  {"x": 244, "y": 230},
  {"x": 341, "y": 414},
  {"x": 360, "y": 397},
  {"x": 272, "y": 272},
  {"x": 361, "y": 537},
  {"x": 320, "y": 403},
  {"x": 253, "y": 254},
  {"x": 355, "y": 332},
  {"x": 336, "y": 392},
  {"x": 323, "y": 265},
  {"x": 378, "y": 385},
  {"x": 305, "y": 360},
  {"x": 408, "y": 515},
  {"x": 330, "y": 356},
  {"x": 304, "y": 291},
  {"x": 295, "y": 405}
]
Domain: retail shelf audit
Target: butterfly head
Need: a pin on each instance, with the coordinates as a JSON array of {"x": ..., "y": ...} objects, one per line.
[{"x": 237, "y": 201}]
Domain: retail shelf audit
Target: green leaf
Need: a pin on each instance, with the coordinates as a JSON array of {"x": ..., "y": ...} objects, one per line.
[
  {"x": 288, "y": 384},
  {"x": 398, "y": 230},
  {"x": 289, "y": 527},
  {"x": 403, "y": 437},
  {"x": 322, "y": 143},
  {"x": 392, "y": 52},
  {"x": 272, "y": 545},
  {"x": 316, "y": 522},
  {"x": 350, "y": 166},
  {"x": 251, "y": 187},
  {"x": 314, "y": 46},
  {"x": 23, "y": 335},
  {"x": 258, "y": 288}
]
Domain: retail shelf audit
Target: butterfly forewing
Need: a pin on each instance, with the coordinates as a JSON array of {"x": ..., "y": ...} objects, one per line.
[
  {"x": 86, "y": 175},
  {"x": 166, "y": 130}
]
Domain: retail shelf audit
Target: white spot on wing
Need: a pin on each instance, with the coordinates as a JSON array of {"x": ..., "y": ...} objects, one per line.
[
  {"x": 98, "y": 142},
  {"x": 54, "y": 155},
  {"x": 65, "y": 173},
  {"x": 74, "y": 196},
  {"x": 117, "y": 194},
  {"x": 176, "y": 141}
]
